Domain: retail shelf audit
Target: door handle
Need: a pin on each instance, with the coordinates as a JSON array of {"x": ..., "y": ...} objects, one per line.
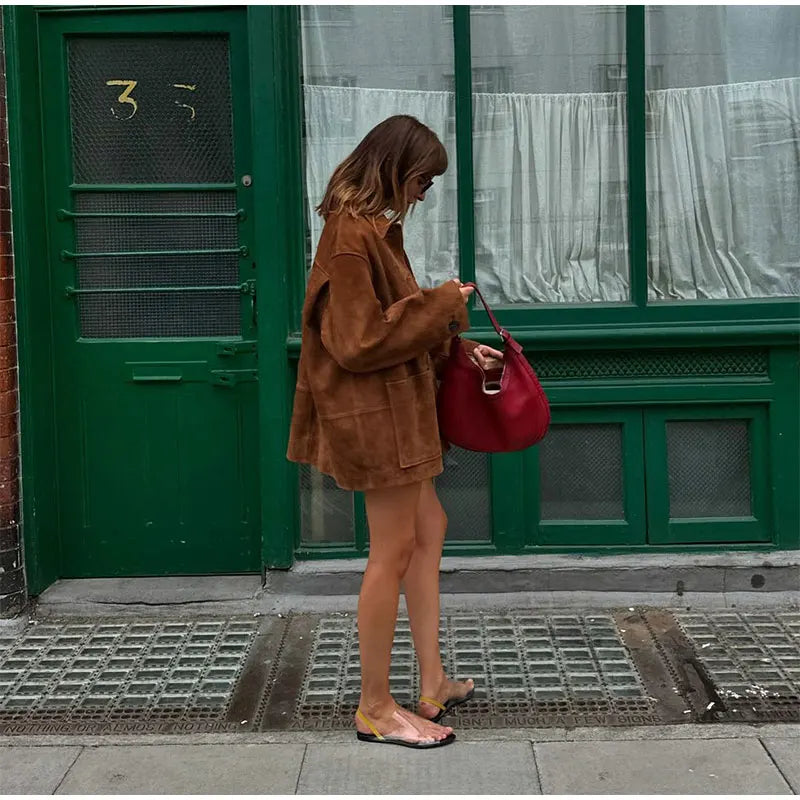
[{"x": 232, "y": 377}]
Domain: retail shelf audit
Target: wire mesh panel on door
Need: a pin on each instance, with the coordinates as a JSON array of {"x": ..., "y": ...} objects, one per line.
[
  {"x": 153, "y": 109},
  {"x": 153, "y": 262}
]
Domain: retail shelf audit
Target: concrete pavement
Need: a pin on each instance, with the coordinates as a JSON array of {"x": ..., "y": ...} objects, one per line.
[{"x": 694, "y": 759}]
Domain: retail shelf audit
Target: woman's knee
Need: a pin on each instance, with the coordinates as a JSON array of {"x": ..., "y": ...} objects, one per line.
[{"x": 394, "y": 559}]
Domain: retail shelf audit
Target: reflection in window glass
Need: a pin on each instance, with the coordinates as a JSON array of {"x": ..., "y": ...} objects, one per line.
[
  {"x": 326, "y": 511},
  {"x": 549, "y": 154},
  {"x": 723, "y": 152},
  {"x": 376, "y": 61}
]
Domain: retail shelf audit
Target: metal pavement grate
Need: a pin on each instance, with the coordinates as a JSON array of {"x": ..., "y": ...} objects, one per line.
[
  {"x": 102, "y": 673},
  {"x": 753, "y": 660},
  {"x": 643, "y": 666},
  {"x": 529, "y": 670}
]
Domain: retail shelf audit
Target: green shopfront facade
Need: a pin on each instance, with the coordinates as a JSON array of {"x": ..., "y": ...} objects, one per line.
[{"x": 624, "y": 186}]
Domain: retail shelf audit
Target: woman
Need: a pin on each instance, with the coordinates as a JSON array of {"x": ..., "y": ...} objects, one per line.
[{"x": 365, "y": 409}]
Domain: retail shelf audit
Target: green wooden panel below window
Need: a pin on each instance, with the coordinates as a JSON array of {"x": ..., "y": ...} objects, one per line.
[
  {"x": 509, "y": 507},
  {"x": 784, "y": 446}
]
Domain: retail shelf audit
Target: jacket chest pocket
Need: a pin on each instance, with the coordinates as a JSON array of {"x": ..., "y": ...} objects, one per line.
[{"x": 416, "y": 428}]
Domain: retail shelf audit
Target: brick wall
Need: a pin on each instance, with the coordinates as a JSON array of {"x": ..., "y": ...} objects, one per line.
[{"x": 12, "y": 579}]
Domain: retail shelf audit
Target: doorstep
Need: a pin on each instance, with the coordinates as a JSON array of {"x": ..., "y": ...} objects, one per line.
[{"x": 740, "y": 579}]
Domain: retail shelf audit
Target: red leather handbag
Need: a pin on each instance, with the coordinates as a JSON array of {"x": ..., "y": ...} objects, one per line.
[{"x": 496, "y": 411}]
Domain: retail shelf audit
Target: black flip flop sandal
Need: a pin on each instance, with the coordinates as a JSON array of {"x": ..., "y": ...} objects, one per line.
[
  {"x": 449, "y": 705},
  {"x": 377, "y": 738}
]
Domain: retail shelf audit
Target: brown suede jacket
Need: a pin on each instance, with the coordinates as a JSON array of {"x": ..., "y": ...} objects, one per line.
[{"x": 365, "y": 402}]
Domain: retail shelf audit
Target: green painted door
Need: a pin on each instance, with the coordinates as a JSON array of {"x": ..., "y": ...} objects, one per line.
[{"x": 153, "y": 304}]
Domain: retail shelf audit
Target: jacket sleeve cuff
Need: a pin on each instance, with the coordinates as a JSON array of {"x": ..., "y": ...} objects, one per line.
[{"x": 458, "y": 320}]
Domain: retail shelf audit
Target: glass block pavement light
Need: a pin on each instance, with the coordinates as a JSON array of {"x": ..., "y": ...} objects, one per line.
[
  {"x": 753, "y": 658},
  {"x": 111, "y": 671},
  {"x": 528, "y": 670}
]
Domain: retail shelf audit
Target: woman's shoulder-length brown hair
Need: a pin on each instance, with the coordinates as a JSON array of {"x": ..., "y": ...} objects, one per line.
[{"x": 372, "y": 179}]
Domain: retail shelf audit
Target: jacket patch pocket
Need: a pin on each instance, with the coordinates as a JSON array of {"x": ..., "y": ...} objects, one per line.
[
  {"x": 416, "y": 428},
  {"x": 359, "y": 444}
]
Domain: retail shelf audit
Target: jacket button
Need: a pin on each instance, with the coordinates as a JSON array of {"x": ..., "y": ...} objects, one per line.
[{"x": 453, "y": 326}]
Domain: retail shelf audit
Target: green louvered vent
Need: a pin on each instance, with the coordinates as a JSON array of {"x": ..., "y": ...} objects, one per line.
[{"x": 650, "y": 364}]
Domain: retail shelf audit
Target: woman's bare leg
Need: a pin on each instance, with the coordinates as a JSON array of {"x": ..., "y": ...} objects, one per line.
[
  {"x": 421, "y": 585},
  {"x": 391, "y": 514}
]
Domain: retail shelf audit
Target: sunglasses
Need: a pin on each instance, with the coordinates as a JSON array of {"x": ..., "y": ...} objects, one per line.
[{"x": 426, "y": 186}]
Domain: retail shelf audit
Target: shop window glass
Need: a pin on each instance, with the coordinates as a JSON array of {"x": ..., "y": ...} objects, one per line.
[
  {"x": 548, "y": 83},
  {"x": 326, "y": 511},
  {"x": 463, "y": 489},
  {"x": 399, "y": 66},
  {"x": 723, "y": 160}
]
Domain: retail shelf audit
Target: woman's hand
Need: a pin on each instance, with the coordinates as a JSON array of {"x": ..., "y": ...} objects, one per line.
[
  {"x": 487, "y": 357},
  {"x": 466, "y": 291}
]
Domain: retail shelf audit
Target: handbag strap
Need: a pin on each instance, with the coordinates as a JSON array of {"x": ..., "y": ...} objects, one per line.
[{"x": 501, "y": 332}]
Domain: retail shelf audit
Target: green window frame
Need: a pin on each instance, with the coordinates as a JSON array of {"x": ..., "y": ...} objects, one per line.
[
  {"x": 532, "y": 323},
  {"x": 638, "y": 318}
]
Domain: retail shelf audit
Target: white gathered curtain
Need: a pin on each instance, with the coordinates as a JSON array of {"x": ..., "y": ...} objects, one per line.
[
  {"x": 551, "y": 204},
  {"x": 723, "y": 171}
]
